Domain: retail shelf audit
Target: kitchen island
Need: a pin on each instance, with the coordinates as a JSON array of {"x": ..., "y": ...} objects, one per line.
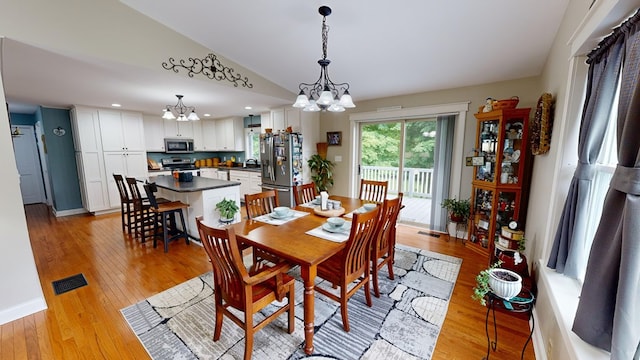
[{"x": 202, "y": 194}]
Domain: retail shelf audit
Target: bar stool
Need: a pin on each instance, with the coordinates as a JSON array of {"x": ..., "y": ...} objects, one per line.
[
  {"x": 141, "y": 218},
  {"x": 165, "y": 216},
  {"x": 126, "y": 204}
]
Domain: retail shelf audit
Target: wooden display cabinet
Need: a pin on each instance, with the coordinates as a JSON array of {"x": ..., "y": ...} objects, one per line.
[{"x": 500, "y": 185}]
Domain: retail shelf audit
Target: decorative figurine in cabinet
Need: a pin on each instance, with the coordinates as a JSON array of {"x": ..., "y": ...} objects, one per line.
[{"x": 500, "y": 185}]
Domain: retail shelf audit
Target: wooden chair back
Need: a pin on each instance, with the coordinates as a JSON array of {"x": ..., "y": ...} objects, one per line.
[
  {"x": 136, "y": 196},
  {"x": 350, "y": 268},
  {"x": 374, "y": 191},
  {"x": 122, "y": 188},
  {"x": 260, "y": 203},
  {"x": 384, "y": 241},
  {"x": 247, "y": 291},
  {"x": 304, "y": 193}
]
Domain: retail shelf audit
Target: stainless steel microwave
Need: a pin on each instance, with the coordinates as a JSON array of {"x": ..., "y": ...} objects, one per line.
[{"x": 178, "y": 146}]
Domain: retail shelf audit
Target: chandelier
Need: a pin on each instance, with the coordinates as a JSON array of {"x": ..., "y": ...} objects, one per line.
[
  {"x": 324, "y": 94},
  {"x": 179, "y": 111}
]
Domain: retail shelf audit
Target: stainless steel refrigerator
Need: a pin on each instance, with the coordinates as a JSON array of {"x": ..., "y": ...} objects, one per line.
[{"x": 281, "y": 163}]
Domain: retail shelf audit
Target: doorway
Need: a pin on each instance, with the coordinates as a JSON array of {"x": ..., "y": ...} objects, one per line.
[
  {"x": 402, "y": 152},
  {"x": 28, "y": 162}
]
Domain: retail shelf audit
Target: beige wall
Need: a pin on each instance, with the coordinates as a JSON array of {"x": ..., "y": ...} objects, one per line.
[{"x": 527, "y": 89}]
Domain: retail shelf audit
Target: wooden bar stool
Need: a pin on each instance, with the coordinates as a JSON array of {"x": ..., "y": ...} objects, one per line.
[
  {"x": 141, "y": 220},
  {"x": 165, "y": 216},
  {"x": 126, "y": 204}
]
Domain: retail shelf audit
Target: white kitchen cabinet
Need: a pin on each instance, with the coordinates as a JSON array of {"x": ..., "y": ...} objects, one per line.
[
  {"x": 198, "y": 139},
  {"x": 223, "y": 175},
  {"x": 153, "y": 133},
  {"x": 255, "y": 182},
  {"x": 178, "y": 129},
  {"x": 243, "y": 178},
  {"x": 121, "y": 130},
  {"x": 87, "y": 138},
  {"x": 282, "y": 118},
  {"x": 209, "y": 135},
  {"x": 209, "y": 173},
  {"x": 230, "y": 134},
  {"x": 128, "y": 164},
  {"x": 265, "y": 121}
]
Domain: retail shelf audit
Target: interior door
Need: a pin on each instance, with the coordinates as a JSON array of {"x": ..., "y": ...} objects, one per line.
[
  {"x": 401, "y": 152},
  {"x": 28, "y": 162}
]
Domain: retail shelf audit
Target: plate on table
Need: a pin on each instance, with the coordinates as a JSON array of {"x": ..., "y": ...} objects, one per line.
[
  {"x": 340, "y": 229},
  {"x": 316, "y": 202},
  {"x": 279, "y": 217}
]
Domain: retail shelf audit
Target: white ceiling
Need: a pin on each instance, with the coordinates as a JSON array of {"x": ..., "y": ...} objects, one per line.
[{"x": 380, "y": 48}]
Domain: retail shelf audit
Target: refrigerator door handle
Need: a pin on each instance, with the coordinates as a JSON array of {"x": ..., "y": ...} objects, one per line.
[{"x": 268, "y": 187}]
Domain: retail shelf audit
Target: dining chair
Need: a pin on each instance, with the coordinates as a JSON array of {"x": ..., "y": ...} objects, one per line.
[
  {"x": 372, "y": 190},
  {"x": 261, "y": 203},
  {"x": 384, "y": 241},
  {"x": 165, "y": 216},
  {"x": 126, "y": 203},
  {"x": 241, "y": 289},
  {"x": 258, "y": 204},
  {"x": 141, "y": 214},
  {"x": 350, "y": 268},
  {"x": 304, "y": 193}
]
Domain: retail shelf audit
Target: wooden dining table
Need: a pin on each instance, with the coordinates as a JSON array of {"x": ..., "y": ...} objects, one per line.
[{"x": 290, "y": 242}]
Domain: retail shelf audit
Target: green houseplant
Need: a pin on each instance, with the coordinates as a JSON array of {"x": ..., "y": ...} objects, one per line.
[
  {"x": 321, "y": 172},
  {"x": 459, "y": 210},
  {"x": 228, "y": 209},
  {"x": 482, "y": 284}
]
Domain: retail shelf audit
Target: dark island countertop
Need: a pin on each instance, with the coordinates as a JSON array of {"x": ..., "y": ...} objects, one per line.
[{"x": 198, "y": 183}]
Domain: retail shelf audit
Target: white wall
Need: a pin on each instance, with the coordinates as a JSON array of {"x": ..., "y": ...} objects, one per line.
[{"x": 19, "y": 283}]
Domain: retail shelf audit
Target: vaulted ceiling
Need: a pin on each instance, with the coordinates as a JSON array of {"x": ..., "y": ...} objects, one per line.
[{"x": 380, "y": 48}]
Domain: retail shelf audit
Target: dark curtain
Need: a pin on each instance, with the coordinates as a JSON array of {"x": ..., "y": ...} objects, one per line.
[
  {"x": 569, "y": 246},
  {"x": 608, "y": 314},
  {"x": 445, "y": 127}
]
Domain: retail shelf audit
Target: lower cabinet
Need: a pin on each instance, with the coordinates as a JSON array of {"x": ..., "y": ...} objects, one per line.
[
  {"x": 129, "y": 164},
  {"x": 250, "y": 182}
]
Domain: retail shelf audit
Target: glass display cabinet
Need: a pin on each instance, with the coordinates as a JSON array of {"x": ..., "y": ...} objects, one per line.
[{"x": 501, "y": 180}]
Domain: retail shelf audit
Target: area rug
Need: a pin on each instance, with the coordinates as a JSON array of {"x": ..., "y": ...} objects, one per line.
[{"x": 403, "y": 323}]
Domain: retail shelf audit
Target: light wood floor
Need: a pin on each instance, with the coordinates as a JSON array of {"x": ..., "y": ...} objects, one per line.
[{"x": 86, "y": 323}]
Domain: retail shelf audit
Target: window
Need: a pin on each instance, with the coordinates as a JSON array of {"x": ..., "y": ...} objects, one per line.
[
  {"x": 606, "y": 165},
  {"x": 252, "y": 142}
]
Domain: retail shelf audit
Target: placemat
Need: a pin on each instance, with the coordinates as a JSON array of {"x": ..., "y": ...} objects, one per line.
[
  {"x": 323, "y": 234},
  {"x": 269, "y": 220}
]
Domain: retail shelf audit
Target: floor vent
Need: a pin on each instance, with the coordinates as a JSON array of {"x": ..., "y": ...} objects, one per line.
[
  {"x": 68, "y": 284},
  {"x": 434, "y": 234}
]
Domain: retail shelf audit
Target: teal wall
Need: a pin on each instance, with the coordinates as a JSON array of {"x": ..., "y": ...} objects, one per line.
[
  {"x": 22, "y": 119},
  {"x": 61, "y": 160}
]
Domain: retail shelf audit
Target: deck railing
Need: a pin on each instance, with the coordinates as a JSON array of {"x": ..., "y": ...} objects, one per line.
[{"x": 415, "y": 182}]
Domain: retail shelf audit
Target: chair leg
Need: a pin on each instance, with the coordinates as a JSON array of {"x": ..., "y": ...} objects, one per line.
[
  {"x": 292, "y": 306},
  {"x": 122, "y": 215},
  {"x": 343, "y": 308},
  {"x": 184, "y": 227},
  {"x": 165, "y": 231},
  {"x": 376, "y": 289},
  {"x": 390, "y": 267},
  {"x": 219, "y": 316},
  {"x": 367, "y": 288},
  {"x": 248, "y": 324}
]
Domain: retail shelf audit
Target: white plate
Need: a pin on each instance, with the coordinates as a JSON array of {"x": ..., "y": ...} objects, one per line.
[
  {"x": 515, "y": 157},
  {"x": 276, "y": 216},
  {"x": 316, "y": 202},
  {"x": 342, "y": 229}
]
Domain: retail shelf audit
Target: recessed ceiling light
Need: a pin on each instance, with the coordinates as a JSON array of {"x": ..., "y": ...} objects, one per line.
[
  {"x": 207, "y": 115},
  {"x": 248, "y": 108},
  {"x": 116, "y": 105}
]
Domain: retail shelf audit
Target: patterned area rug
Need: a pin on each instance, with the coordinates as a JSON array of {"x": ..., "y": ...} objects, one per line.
[{"x": 403, "y": 323}]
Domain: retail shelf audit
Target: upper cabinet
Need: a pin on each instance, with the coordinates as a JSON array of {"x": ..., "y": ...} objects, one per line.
[
  {"x": 177, "y": 129},
  {"x": 265, "y": 121},
  {"x": 154, "y": 133},
  {"x": 209, "y": 135},
  {"x": 121, "y": 131},
  {"x": 229, "y": 134},
  {"x": 282, "y": 118}
]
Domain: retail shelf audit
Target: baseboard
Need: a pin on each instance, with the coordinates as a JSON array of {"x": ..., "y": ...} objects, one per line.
[
  {"x": 22, "y": 310},
  {"x": 62, "y": 213},
  {"x": 539, "y": 349}
]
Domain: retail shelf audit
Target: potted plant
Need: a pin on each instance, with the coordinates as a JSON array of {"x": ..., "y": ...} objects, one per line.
[
  {"x": 322, "y": 172},
  {"x": 459, "y": 210},
  {"x": 228, "y": 209},
  {"x": 501, "y": 282}
]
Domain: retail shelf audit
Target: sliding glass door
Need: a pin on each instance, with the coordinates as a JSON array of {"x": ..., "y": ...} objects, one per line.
[{"x": 402, "y": 152}]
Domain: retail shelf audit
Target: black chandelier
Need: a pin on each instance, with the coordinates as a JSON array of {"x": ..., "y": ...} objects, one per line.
[
  {"x": 324, "y": 94},
  {"x": 180, "y": 112}
]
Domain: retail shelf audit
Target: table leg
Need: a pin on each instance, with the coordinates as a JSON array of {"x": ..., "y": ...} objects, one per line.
[
  {"x": 309, "y": 275},
  {"x": 491, "y": 345},
  {"x": 533, "y": 325}
]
